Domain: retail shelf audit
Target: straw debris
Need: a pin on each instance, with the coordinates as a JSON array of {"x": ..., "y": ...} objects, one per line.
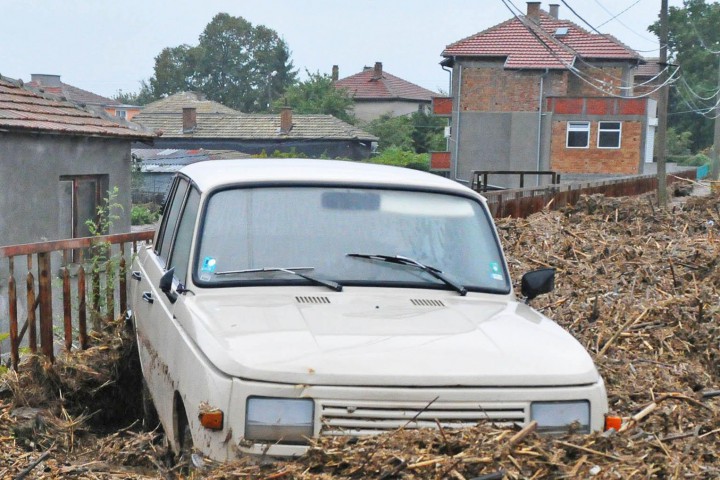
[{"x": 638, "y": 286}]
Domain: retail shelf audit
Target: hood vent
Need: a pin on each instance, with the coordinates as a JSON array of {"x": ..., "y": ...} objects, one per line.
[
  {"x": 422, "y": 302},
  {"x": 312, "y": 300}
]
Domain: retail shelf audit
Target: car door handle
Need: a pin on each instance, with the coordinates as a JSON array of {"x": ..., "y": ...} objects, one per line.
[
  {"x": 147, "y": 296},
  {"x": 136, "y": 275}
]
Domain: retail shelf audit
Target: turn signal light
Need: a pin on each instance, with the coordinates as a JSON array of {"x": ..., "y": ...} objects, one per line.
[
  {"x": 613, "y": 422},
  {"x": 212, "y": 420}
]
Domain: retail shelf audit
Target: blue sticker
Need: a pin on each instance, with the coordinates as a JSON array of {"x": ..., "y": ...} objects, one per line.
[
  {"x": 495, "y": 271},
  {"x": 208, "y": 265}
]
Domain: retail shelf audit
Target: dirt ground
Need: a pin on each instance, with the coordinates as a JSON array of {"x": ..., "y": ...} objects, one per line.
[{"x": 638, "y": 286}]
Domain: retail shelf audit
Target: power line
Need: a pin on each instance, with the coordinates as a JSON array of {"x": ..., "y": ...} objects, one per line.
[{"x": 574, "y": 70}]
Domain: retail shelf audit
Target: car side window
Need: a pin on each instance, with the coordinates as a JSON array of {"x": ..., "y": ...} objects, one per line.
[
  {"x": 180, "y": 255},
  {"x": 170, "y": 218}
]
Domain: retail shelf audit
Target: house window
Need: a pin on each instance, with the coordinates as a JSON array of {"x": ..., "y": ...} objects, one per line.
[
  {"x": 578, "y": 134},
  {"x": 121, "y": 113},
  {"x": 609, "y": 134}
]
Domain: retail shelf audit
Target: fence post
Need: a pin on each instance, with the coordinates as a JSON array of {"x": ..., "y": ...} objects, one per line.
[
  {"x": 31, "y": 307},
  {"x": 123, "y": 280},
  {"x": 46, "y": 320},
  {"x": 67, "y": 310},
  {"x": 12, "y": 309},
  {"x": 82, "y": 310}
]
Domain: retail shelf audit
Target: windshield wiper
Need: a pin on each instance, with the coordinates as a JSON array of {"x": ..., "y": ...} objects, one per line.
[
  {"x": 400, "y": 260},
  {"x": 293, "y": 271}
]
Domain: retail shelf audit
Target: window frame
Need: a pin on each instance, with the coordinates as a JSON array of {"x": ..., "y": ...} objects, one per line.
[
  {"x": 569, "y": 129},
  {"x": 610, "y": 130}
]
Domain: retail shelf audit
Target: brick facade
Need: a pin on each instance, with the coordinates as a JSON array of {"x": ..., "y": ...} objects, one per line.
[
  {"x": 610, "y": 76},
  {"x": 494, "y": 89},
  {"x": 625, "y": 160}
]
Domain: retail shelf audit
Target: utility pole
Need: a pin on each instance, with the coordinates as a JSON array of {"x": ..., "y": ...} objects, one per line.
[
  {"x": 715, "y": 166},
  {"x": 662, "y": 108}
]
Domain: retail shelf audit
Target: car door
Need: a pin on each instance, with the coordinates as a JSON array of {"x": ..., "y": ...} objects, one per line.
[{"x": 156, "y": 329}]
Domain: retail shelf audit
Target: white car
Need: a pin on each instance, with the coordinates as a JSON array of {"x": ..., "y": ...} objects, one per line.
[{"x": 285, "y": 299}]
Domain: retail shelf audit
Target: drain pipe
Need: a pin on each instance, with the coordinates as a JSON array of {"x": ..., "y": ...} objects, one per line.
[
  {"x": 457, "y": 129},
  {"x": 539, "y": 127},
  {"x": 447, "y": 140}
]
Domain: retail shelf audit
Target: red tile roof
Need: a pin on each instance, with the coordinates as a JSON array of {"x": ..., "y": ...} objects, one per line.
[
  {"x": 74, "y": 94},
  {"x": 649, "y": 69},
  {"x": 363, "y": 86},
  {"x": 22, "y": 110},
  {"x": 518, "y": 40}
]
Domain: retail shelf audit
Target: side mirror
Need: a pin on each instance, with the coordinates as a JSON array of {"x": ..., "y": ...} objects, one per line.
[
  {"x": 538, "y": 282},
  {"x": 166, "y": 284}
]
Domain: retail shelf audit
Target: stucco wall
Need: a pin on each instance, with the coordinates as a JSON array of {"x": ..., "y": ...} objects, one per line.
[
  {"x": 498, "y": 141},
  {"x": 368, "y": 111},
  {"x": 33, "y": 201}
]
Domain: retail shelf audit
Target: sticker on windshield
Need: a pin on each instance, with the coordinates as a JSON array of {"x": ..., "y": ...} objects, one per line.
[
  {"x": 208, "y": 265},
  {"x": 495, "y": 271}
]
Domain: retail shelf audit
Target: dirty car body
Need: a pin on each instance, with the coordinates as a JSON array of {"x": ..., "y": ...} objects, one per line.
[{"x": 286, "y": 299}]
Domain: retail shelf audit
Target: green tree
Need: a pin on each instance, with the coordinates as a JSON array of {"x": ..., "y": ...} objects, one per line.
[
  {"x": 141, "y": 97},
  {"x": 317, "y": 94},
  {"x": 235, "y": 63},
  {"x": 428, "y": 132},
  {"x": 692, "y": 40},
  {"x": 419, "y": 132},
  {"x": 403, "y": 158},
  {"x": 392, "y": 132}
]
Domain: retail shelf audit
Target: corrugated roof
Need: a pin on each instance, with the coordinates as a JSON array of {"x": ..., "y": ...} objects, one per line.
[
  {"x": 175, "y": 103},
  {"x": 252, "y": 126},
  {"x": 364, "y": 86},
  {"x": 514, "y": 41},
  {"x": 172, "y": 160},
  {"x": 24, "y": 110}
]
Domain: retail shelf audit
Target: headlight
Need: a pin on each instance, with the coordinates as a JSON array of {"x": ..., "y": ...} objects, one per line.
[
  {"x": 558, "y": 416},
  {"x": 281, "y": 420}
]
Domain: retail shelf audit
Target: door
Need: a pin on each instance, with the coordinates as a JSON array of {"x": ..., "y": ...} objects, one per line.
[{"x": 83, "y": 196}]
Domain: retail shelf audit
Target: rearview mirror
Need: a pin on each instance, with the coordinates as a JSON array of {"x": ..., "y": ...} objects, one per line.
[
  {"x": 166, "y": 284},
  {"x": 538, "y": 282}
]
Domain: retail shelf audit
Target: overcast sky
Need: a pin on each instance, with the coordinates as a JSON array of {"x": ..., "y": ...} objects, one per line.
[{"x": 108, "y": 45}]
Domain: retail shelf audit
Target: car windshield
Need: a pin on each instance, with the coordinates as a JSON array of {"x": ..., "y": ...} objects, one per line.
[{"x": 250, "y": 234}]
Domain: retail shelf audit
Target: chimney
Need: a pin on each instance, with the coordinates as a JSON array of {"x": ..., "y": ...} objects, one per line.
[
  {"x": 377, "y": 71},
  {"x": 533, "y": 10},
  {"x": 285, "y": 120},
  {"x": 335, "y": 73},
  {"x": 554, "y": 10},
  {"x": 45, "y": 80},
  {"x": 189, "y": 119}
]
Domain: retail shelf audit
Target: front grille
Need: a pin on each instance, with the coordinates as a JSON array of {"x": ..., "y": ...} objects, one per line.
[
  {"x": 368, "y": 418},
  {"x": 312, "y": 300}
]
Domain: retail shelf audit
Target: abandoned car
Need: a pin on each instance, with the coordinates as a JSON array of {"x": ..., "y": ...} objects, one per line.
[{"x": 284, "y": 299}]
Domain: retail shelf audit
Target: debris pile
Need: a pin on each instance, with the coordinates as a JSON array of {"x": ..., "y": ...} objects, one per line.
[{"x": 638, "y": 286}]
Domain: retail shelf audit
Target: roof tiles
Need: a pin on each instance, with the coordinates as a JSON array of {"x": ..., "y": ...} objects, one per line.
[
  {"x": 24, "y": 110},
  {"x": 526, "y": 43},
  {"x": 365, "y": 86}
]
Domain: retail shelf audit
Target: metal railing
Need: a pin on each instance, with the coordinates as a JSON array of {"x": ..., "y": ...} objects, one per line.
[
  {"x": 106, "y": 259},
  {"x": 482, "y": 186}
]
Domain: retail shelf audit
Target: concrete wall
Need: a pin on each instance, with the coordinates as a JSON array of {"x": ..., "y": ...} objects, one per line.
[
  {"x": 367, "y": 111},
  {"x": 35, "y": 204},
  {"x": 498, "y": 141}
]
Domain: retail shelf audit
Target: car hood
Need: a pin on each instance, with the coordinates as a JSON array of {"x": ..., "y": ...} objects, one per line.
[{"x": 361, "y": 337}]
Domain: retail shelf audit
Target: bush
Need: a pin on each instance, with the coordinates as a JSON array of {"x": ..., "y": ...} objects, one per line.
[
  {"x": 695, "y": 160},
  {"x": 142, "y": 215},
  {"x": 403, "y": 158}
]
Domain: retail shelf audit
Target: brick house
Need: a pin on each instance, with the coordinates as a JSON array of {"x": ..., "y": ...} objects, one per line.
[
  {"x": 537, "y": 92},
  {"x": 376, "y": 92}
]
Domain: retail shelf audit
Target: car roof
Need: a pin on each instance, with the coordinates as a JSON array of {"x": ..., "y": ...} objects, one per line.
[{"x": 212, "y": 174}]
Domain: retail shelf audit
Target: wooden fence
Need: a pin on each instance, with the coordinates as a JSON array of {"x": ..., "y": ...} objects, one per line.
[
  {"x": 523, "y": 202},
  {"x": 106, "y": 260}
]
